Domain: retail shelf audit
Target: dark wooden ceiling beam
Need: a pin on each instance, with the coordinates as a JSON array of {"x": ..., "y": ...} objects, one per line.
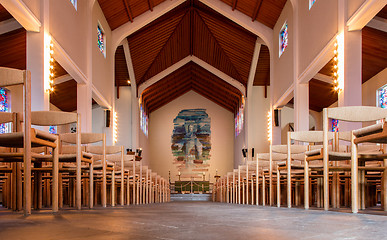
[
  {"x": 240, "y": 79},
  {"x": 256, "y": 10},
  {"x": 234, "y": 4},
  {"x": 150, "y": 4},
  {"x": 128, "y": 10}
]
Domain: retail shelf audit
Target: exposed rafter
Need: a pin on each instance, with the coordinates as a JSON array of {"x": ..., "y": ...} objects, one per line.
[
  {"x": 128, "y": 11},
  {"x": 150, "y": 4},
  {"x": 191, "y": 77},
  {"x": 256, "y": 10},
  {"x": 234, "y": 4}
]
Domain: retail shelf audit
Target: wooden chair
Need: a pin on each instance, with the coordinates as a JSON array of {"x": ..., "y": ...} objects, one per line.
[
  {"x": 10, "y": 77},
  {"x": 376, "y": 133},
  {"x": 75, "y": 153},
  {"x": 115, "y": 154},
  {"x": 350, "y": 114}
]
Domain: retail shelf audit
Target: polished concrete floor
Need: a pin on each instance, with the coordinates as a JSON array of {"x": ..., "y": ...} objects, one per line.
[{"x": 192, "y": 220}]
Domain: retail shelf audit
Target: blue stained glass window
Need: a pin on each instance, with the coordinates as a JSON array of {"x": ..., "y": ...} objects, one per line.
[
  {"x": 4, "y": 128},
  {"x": 143, "y": 121},
  {"x": 101, "y": 39},
  {"x": 239, "y": 121},
  {"x": 283, "y": 38},
  {"x": 311, "y": 2},
  {"x": 53, "y": 130},
  {"x": 382, "y": 97},
  {"x": 335, "y": 125},
  {"x": 74, "y": 2}
]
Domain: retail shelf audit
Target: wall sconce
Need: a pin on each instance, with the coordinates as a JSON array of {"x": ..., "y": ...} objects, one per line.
[{"x": 244, "y": 152}]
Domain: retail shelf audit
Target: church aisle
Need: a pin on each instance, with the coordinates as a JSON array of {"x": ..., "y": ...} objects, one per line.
[{"x": 192, "y": 220}]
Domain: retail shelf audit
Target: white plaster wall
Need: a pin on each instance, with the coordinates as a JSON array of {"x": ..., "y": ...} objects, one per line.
[
  {"x": 353, "y": 6},
  {"x": 161, "y": 127},
  {"x": 69, "y": 28},
  {"x": 371, "y": 86},
  {"x": 102, "y": 67},
  {"x": 16, "y": 98},
  {"x": 147, "y": 151},
  {"x": 258, "y": 128},
  {"x": 124, "y": 114},
  {"x": 316, "y": 27},
  {"x": 287, "y": 116},
  {"x": 34, "y": 6},
  {"x": 98, "y": 124},
  {"x": 283, "y": 74},
  {"x": 239, "y": 144}
]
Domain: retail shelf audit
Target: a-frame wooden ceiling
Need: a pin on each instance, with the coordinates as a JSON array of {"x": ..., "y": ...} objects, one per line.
[
  {"x": 119, "y": 12},
  {"x": 191, "y": 77},
  {"x": 4, "y": 14},
  {"x": 192, "y": 29},
  {"x": 264, "y": 11}
]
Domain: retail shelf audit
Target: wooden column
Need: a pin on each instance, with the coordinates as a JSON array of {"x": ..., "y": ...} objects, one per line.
[
  {"x": 306, "y": 183},
  {"x": 55, "y": 176}
]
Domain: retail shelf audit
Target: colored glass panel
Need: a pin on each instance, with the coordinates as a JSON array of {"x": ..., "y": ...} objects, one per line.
[
  {"x": 383, "y": 97},
  {"x": 143, "y": 121},
  {"x": 53, "y": 129},
  {"x": 101, "y": 40},
  {"x": 4, "y": 128},
  {"x": 283, "y": 38},
  {"x": 239, "y": 121},
  {"x": 311, "y": 2},
  {"x": 335, "y": 125},
  {"x": 74, "y": 2}
]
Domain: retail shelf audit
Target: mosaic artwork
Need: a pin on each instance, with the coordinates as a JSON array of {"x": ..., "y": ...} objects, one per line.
[{"x": 191, "y": 142}]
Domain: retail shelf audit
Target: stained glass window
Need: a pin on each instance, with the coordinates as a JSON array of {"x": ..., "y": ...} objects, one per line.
[
  {"x": 101, "y": 39},
  {"x": 239, "y": 120},
  {"x": 74, "y": 2},
  {"x": 283, "y": 38},
  {"x": 53, "y": 130},
  {"x": 335, "y": 125},
  {"x": 311, "y": 2},
  {"x": 382, "y": 97},
  {"x": 143, "y": 121},
  {"x": 4, "y": 128}
]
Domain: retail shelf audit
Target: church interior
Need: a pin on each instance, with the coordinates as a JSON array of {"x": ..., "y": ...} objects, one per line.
[{"x": 193, "y": 119}]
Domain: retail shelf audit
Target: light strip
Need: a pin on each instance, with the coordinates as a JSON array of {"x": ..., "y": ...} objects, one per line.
[
  {"x": 338, "y": 68},
  {"x": 48, "y": 64},
  {"x": 115, "y": 129},
  {"x": 269, "y": 126}
]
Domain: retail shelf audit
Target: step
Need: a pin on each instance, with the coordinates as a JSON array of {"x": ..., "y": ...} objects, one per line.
[{"x": 205, "y": 197}]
